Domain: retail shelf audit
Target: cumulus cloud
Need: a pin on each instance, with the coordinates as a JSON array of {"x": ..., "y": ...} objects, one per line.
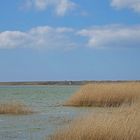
[
  {"x": 62, "y": 38},
  {"x": 112, "y": 36},
  {"x": 11, "y": 39},
  {"x": 40, "y": 37},
  {"x": 61, "y": 7},
  {"x": 131, "y": 4}
]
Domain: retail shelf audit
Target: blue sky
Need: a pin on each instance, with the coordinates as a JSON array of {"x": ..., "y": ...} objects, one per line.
[{"x": 44, "y": 40}]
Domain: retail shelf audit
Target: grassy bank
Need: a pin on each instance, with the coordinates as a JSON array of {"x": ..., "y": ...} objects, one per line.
[
  {"x": 122, "y": 123},
  {"x": 14, "y": 108},
  {"x": 106, "y": 94}
]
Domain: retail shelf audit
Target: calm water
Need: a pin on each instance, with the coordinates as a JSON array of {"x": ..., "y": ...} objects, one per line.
[{"x": 47, "y": 101}]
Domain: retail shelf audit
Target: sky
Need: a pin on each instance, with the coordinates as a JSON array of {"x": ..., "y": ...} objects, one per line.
[{"x": 43, "y": 40}]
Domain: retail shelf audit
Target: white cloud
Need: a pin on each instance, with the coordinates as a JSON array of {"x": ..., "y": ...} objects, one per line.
[
  {"x": 12, "y": 39},
  {"x": 61, "y": 7},
  {"x": 131, "y": 4},
  {"x": 62, "y": 38},
  {"x": 112, "y": 36},
  {"x": 40, "y": 37}
]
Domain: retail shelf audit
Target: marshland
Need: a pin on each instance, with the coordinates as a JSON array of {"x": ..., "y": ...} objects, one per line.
[{"x": 93, "y": 111}]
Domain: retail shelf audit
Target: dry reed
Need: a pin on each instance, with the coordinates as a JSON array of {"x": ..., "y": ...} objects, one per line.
[
  {"x": 14, "y": 108},
  {"x": 121, "y": 124},
  {"x": 105, "y": 94}
]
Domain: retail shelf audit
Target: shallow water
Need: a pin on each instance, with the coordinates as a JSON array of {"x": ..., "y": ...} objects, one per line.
[{"x": 46, "y": 101}]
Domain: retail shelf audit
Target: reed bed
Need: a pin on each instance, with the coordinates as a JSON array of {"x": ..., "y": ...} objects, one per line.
[
  {"x": 122, "y": 123},
  {"x": 14, "y": 108},
  {"x": 105, "y": 94}
]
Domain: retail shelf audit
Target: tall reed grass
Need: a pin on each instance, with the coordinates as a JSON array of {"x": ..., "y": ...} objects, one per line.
[
  {"x": 14, "y": 108},
  {"x": 121, "y": 124},
  {"x": 105, "y": 94}
]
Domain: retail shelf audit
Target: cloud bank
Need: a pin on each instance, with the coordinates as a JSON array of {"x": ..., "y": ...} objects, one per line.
[
  {"x": 40, "y": 37},
  {"x": 112, "y": 36},
  {"x": 131, "y": 4},
  {"x": 61, "y": 7},
  {"x": 62, "y": 38}
]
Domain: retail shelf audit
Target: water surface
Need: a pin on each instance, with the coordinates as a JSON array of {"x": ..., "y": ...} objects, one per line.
[{"x": 46, "y": 101}]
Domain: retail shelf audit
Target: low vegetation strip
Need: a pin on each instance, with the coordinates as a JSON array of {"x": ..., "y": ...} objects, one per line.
[
  {"x": 105, "y": 94},
  {"x": 14, "y": 108},
  {"x": 122, "y": 123}
]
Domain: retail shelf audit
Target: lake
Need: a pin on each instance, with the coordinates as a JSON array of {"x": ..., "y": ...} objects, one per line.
[{"x": 49, "y": 114}]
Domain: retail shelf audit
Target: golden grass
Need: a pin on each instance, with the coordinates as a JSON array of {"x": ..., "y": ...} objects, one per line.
[
  {"x": 14, "y": 108},
  {"x": 121, "y": 124},
  {"x": 105, "y": 94}
]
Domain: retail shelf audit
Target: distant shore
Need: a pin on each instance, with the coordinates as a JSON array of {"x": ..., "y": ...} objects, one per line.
[{"x": 60, "y": 82}]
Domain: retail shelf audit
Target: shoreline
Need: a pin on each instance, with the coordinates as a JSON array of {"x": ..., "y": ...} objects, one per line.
[{"x": 62, "y": 82}]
